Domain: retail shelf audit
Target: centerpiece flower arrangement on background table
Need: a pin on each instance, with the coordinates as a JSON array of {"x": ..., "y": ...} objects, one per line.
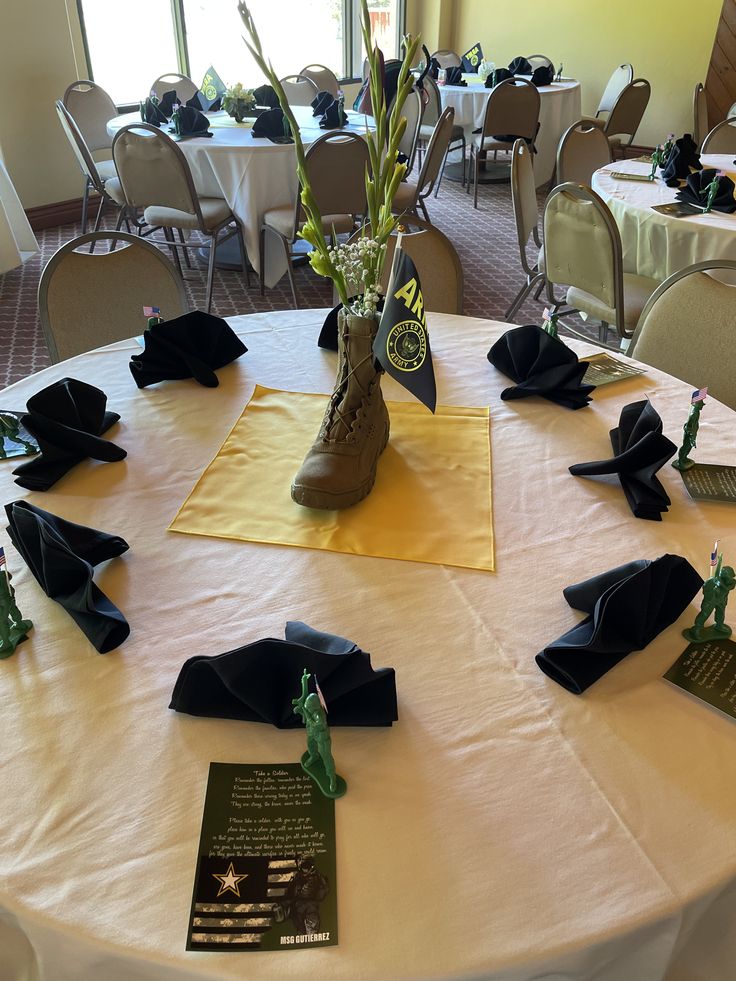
[{"x": 238, "y": 101}]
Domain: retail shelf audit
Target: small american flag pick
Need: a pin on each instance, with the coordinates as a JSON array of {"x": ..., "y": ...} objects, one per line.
[
  {"x": 714, "y": 555},
  {"x": 320, "y": 696},
  {"x": 151, "y": 312},
  {"x": 2, "y": 558},
  {"x": 698, "y": 395}
]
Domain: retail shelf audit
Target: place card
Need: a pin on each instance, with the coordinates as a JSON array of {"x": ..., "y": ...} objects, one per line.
[
  {"x": 266, "y": 871},
  {"x": 645, "y": 159},
  {"x": 710, "y": 482},
  {"x": 708, "y": 671},
  {"x": 15, "y": 440},
  {"x": 604, "y": 369},
  {"x": 622, "y": 175},
  {"x": 677, "y": 209}
]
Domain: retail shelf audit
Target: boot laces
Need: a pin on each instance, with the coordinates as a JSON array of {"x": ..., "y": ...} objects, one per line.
[{"x": 337, "y": 395}]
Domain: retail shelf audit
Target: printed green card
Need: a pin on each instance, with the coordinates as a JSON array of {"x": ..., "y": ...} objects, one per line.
[
  {"x": 603, "y": 369},
  {"x": 266, "y": 871},
  {"x": 710, "y": 482},
  {"x": 708, "y": 671}
]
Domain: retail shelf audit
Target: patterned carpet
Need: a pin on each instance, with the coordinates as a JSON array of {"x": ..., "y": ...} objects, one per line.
[{"x": 485, "y": 240}]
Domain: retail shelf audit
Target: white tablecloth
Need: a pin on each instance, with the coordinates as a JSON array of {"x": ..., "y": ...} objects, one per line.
[
  {"x": 503, "y": 829},
  {"x": 17, "y": 241},
  {"x": 657, "y": 245},
  {"x": 253, "y": 175},
  {"x": 559, "y": 108}
]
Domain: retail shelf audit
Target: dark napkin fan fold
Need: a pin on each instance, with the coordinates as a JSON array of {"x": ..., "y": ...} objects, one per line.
[
  {"x": 520, "y": 66},
  {"x": 640, "y": 450},
  {"x": 265, "y": 95},
  {"x": 189, "y": 121},
  {"x": 454, "y": 76},
  {"x": 498, "y": 76},
  {"x": 626, "y": 607},
  {"x": 256, "y": 682},
  {"x": 167, "y": 102},
  {"x": 335, "y": 116},
  {"x": 62, "y": 556},
  {"x": 269, "y": 125},
  {"x": 542, "y": 365},
  {"x": 695, "y": 191},
  {"x": 320, "y": 102},
  {"x": 682, "y": 158},
  {"x": 152, "y": 113},
  {"x": 194, "y": 345},
  {"x": 67, "y": 419},
  {"x": 544, "y": 75}
]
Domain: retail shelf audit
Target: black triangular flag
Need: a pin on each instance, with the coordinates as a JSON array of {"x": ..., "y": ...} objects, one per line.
[
  {"x": 402, "y": 343},
  {"x": 472, "y": 58},
  {"x": 211, "y": 90}
]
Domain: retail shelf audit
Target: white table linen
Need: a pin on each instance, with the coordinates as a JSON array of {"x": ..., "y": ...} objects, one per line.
[
  {"x": 503, "y": 829},
  {"x": 253, "y": 175},
  {"x": 559, "y": 108},
  {"x": 17, "y": 241},
  {"x": 657, "y": 245}
]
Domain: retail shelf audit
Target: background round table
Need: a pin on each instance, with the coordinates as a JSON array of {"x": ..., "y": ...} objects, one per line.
[
  {"x": 253, "y": 175},
  {"x": 503, "y": 829},
  {"x": 657, "y": 245},
  {"x": 558, "y": 109}
]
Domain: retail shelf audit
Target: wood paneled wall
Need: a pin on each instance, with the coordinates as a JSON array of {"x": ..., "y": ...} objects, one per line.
[{"x": 720, "y": 84}]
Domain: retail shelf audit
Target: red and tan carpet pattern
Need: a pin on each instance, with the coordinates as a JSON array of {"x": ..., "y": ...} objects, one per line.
[{"x": 485, "y": 240}]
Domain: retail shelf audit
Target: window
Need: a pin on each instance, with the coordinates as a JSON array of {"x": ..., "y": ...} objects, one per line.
[{"x": 152, "y": 37}]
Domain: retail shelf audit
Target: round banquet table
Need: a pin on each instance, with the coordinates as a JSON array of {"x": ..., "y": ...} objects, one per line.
[
  {"x": 559, "y": 108},
  {"x": 503, "y": 829},
  {"x": 253, "y": 175},
  {"x": 657, "y": 245}
]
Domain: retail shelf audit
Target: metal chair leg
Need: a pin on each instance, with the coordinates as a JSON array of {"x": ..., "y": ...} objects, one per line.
[
  {"x": 523, "y": 294},
  {"x": 169, "y": 236},
  {"x": 475, "y": 180},
  {"x": 243, "y": 255},
  {"x": 85, "y": 206},
  {"x": 186, "y": 250},
  {"x": 423, "y": 206},
  {"x": 211, "y": 271},
  {"x": 603, "y": 332},
  {"x": 262, "y": 259}
]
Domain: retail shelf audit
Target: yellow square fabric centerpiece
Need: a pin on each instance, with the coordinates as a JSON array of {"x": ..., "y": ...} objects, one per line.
[{"x": 431, "y": 501}]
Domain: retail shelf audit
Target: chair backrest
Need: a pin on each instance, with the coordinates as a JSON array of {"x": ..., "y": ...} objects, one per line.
[
  {"x": 88, "y": 299},
  {"x": 336, "y": 164},
  {"x": 90, "y": 107},
  {"x": 540, "y": 61},
  {"x": 79, "y": 147},
  {"x": 583, "y": 149},
  {"x": 433, "y": 104},
  {"x": 700, "y": 115},
  {"x": 153, "y": 170},
  {"x": 688, "y": 329},
  {"x": 447, "y": 58},
  {"x": 524, "y": 198},
  {"x": 620, "y": 78},
  {"x": 435, "y": 154},
  {"x": 299, "y": 90},
  {"x": 721, "y": 139},
  {"x": 184, "y": 87},
  {"x": 512, "y": 108},
  {"x": 412, "y": 110},
  {"x": 323, "y": 77},
  {"x": 582, "y": 246},
  {"x": 628, "y": 109}
]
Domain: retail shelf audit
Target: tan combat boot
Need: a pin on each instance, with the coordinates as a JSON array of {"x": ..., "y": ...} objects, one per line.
[{"x": 340, "y": 468}]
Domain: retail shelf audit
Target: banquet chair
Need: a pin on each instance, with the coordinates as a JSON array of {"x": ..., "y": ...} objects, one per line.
[
  {"x": 626, "y": 114},
  {"x": 436, "y": 261},
  {"x": 620, "y": 78},
  {"x": 447, "y": 58},
  {"x": 336, "y": 164},
  {"x": 184, "y": 87},
  {"x": 583, "y": 149},
  {"x": 540, "y": 61},
  {"x": 410, "y": 196},
  {"x": 87, "y": 300},
  {"x": 688, "y": 329},
  {"x": 299, "y": 90},
  {"x": 412, "y": 110},
  {"x": 511, "y": 108},
  {"x": 722, "y": 138},
  {"x": 155, "y": 176},
  {"x": 526, "y": 213},
  {"x": 700, "y": 115},
  {"x": 323, "y": 77},
  {"x": 582, "y": 250},
  {"x": 99, "y": 179},
  {"x": 91, "y": 107},
  {"x": 432, "y": 112}
]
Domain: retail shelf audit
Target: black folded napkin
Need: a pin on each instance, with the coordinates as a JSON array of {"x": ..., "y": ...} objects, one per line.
[
  {"x": 520, "y": 66},
  {"x": 270, "y": 126},
  {"x": 151, "y": 112},
  {"x": 62, "y": 557},
  {"x": 641, "y": 449},
  {"x": 190, "y": 122},
  {"x": 67, "y": 420},
  {"x": 266, "y": 96},
  {"x": 168, "y": 101},
  {"x": 196, "y": 102},
  {"x": 544, "y": 75},
  {"x": 497, "y": 76},
  {"x": 454, "y": 76},
  {"x": 192, "y": 346},
  {"x": 543, "y": 365},
  {"x": 335, "y": 116},
  {"x": 681, "y": 160},
  {"x": 695, "y": 191},
  {"x": 320, "y": 103},
  {"x": 434, "y": 68},
  {"x": 257, "y": 682},
  {"x": 627, "y": 608}
]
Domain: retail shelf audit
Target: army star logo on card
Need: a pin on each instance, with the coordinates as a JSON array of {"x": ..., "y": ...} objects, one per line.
[{"x": 406, "y": 346}]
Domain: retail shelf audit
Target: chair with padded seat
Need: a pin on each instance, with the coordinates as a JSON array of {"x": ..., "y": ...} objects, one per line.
[
  {"x": 526, "y": 213},
  {"x": 626, "y": 113},
  {"x": 87, "y": 300},
  {"x": 700, "y": 115},
  {"x": 432, "y": 113},
  {"x": 412, "y": 110},
  {"x": 621, "y": 76},
  {"x": 447, "y": 58},
  {"x": 91, "y": 108},
  {"x": 410, "y": 196},
  {"x": 512, "y": 107},
  {"x": 184, "y": 87},
  {"x": 582, "y": 251},
  {"x": 155, "y": 176},
  {"x": 99, "y": 176},
  {"x": 688, "y": 329},
  {"x": 336, "y": 164},
  {"x": 323, "y": 77},
  {"x": 583, "y": 149},
  {"x": 722, "y": 138},
  {"x": 299, "y": 90}
]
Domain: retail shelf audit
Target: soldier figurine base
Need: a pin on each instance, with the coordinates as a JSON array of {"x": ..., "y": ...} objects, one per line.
[
  {"x": 715, "y": 598},
  {"x": 317, "y": 761},
  {"x": 316, "y": 770},
  {"x": 13, "y": 628}
]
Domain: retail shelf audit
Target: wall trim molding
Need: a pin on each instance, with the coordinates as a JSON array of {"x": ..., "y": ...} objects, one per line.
[{"x": 60, "y": 213}]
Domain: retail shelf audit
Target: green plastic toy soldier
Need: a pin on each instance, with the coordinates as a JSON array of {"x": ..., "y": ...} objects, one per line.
[
  {"x": 10, "y": 429},
  {"x": 317, "y": 761},
  {"x": 13, "y": 628},
  {"x": 715, "y": 598},
  {"x": 690, "y": 431}
]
